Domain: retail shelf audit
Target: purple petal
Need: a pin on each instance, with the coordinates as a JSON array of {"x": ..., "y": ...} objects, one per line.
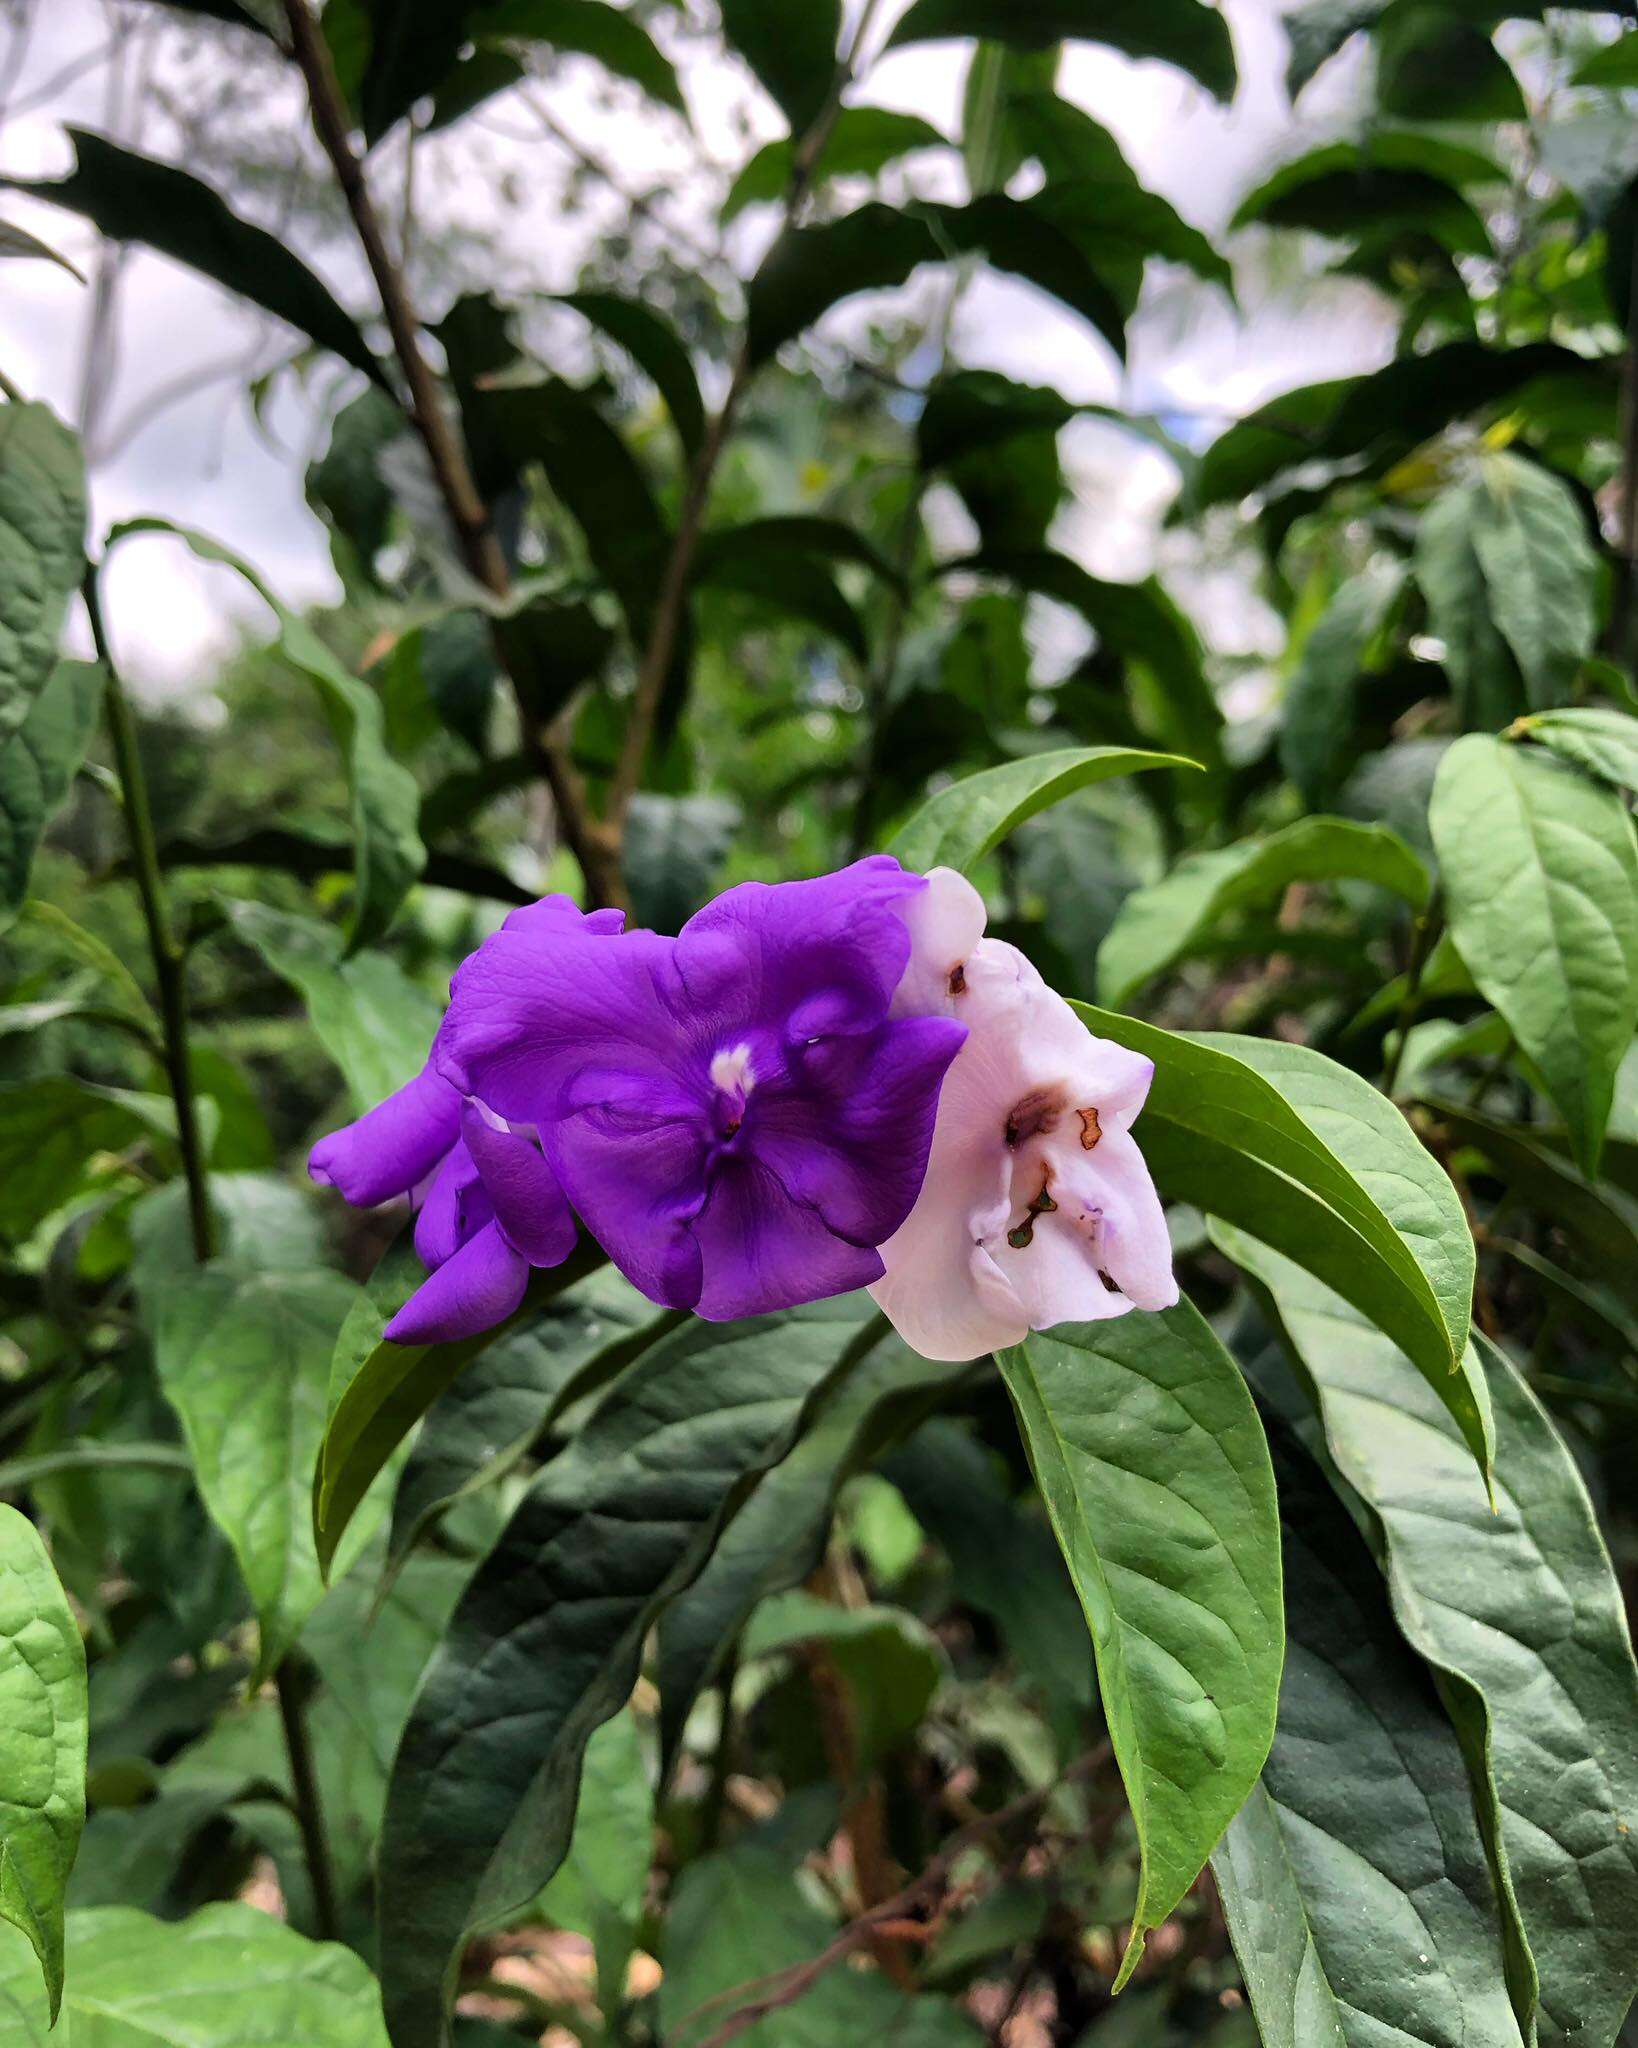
[
  {"x": 553, "y": 914},
  {"x": 480, "y": 1286},
  {"x": 854, "y": 1144},
  {"x": 392, "y": 1146},
  {"x": 762, "y": 1251},
  {"x": 454, "y": 1209},
  {"x": 638, "y": 1190},
  {"x": 529, "y": 1204}
]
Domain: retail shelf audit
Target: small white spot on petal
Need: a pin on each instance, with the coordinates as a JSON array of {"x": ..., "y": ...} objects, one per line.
[{"x": 731, "y": 1070}]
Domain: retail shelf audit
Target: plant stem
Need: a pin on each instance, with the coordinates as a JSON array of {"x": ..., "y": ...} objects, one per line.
[
  {"x": 594, "y": 844},
  {"x": 1626, "y": 597},
  {"x": 309, "y": 1805},
  {"x": 1427, "y": 930},
  {"x": 10, "y": 389},
  {"x": 162, "y": 942}
]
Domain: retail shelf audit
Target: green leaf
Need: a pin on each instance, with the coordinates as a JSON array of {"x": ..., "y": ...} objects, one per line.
[
  {"x": 1182, "y": 32},
  {"x": 1284, "y": 1143},
  {"x": 42, "y": 1745},
  {"x": 1616, "y": 64},
  {"x": 797, "y": 586},
  {"x": 42, "y": 550},
  {"x": 1540, "y": 874},
  {"x": 378, "y": 1391},
  {"x": 653, "y": 346},
  {"x": 959, "y": 826},
  {"x": 131, "y": 198},
  {"x": 889, "y": 1662},
  {"x": 18, "y": 242},
  {"x": 1519, "y": 1608},
  {"x": 1152, "y": 1464},
  {"x": 759, "y": 541},
  {"x": 1603, "y": 742},
  {"x": 373, "y": 1021},
  {"x": 1398, "y": 182},
  {"x": 38, "y": 762},
  {"x": 545, "y": 1644},
  {"x": 778, "y": 1538},
  {"x": 227, "y": 1975},
  {"x": 1156, "y": 926},
  {"x": 599, "y": 1886},
  {"x": 1483, "y": 674},
  {"x": 1317, "y": 29},
  {"x": 673, "y": 850},
  {"x": 1324, "y": 1872},
  {"x": 1317, "y": 746},
  {"x": 386, "y": 799},
  {"x": 791, "y": 50},
  {"x": 243, "y": 1357},
  {"x": 876, "y": 246},
  {"x": 506, "y": 1400},
  {"x": 1539, "y": 568},
  {"x": 613, "y": 36},
  {"x": 1433, "y": 66},
  {"x": 49, "y": 1130},
  {"x": 861, "y": 144}
]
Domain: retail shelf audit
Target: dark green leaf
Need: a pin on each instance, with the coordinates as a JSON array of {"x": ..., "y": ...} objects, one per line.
[
  {"x": 545, "y": 1644},
  {"x": 132, "y": 198},
  {"x": 959, "y": 826},
  {"x": 1153, "y": 1467},
  {"x": 38, "y": 762},
  {"x": 42, "y": 1745},
  {"x": 1433, "y": 66},
  {"x": 863, "y": 142},
  {"x": 758, "y": 541},
  {"x": 796, "y": 586},
  {"x": 1285, "y": 1143},
  {"x": 1398, "y": 181},
  {"x": 42, "y": 550},
  {"x": 1158, "y": 925},
  {"x": 791, "y": 50},
  {"x": 673, "y": 851},
  {"x": 654, "y": 347},
  {"x": 1540, "y": 874},
  {"x": 49, "y": 1130},
  {"x": 1317, "y": 29},
  {"x": 1483, "y": 674},
  {"x": 1616, "y": 64},
  {"x": 1182, "y": 32},
  {"x": 1324, "y": 1872},
  {"x": 1316, "y": 733},
  {"x": 890, "y": 1663}
]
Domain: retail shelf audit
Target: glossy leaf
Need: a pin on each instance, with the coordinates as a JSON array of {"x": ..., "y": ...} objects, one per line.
[
  {"x": 228, "y": 1975},
  {"x": 792, "y": 52},
  {"x": 1603, "y": 742},
  {"x": 1284, "y": 1143},
  {"x": 133, "y": 198},
  {"x": 1155, "y": 1473},
  {"x": 38, "y": 762},
  {"x": 42, "y": 550},
  {"x": 876, "y": 246},
  {"x": 506, "y": 1400},
  {"x": 861, "y": 144},
  {"x": 654, "y": 347},
  {"x": 1182, "y": 32},
  {"x": 1158, "y": 925},
  {"x": 1540, "y": 875},
  {"x": 386, "y": 800},
  {"x": 959, "y": 826},
  {"x": 243, "y": 1356},
  {"x": 1355, "y": 1878},
  {"x": 42, "y": 1746},
  {"x": 1519, "y": 1607},
  {"x": 545, "y": 1644},
  {"x": 375, "y": 1023}
]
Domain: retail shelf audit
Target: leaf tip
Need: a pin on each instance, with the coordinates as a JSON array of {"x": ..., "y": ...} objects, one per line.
[{"x": 1131, "y": 1959}]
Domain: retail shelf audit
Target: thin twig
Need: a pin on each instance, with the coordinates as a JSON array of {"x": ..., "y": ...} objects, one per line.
[
  {"x": 309, "y": 1805},
  {"x": 594, "y": 845},
  {"x": 1427, "y": 928}
]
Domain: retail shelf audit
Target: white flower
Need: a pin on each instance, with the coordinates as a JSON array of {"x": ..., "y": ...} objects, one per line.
[{"x": 1037, "y": 1207}]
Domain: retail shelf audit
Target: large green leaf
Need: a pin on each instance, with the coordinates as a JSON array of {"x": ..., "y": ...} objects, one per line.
[
  {"x": 1518, "y": 1606},
  {"x": 1393, "y": 182},
  {"x": 545, "y": 1644},
  {"x": 373, "y": 1021},
  {"x": 1325, "y": 1872},
  {"x": 862, "y": 142},
  {"x": 38, "y": 762},
  {"x": 386, "y": 800},
  {"x": 243, "y": 1356},
  {"x": 507, "y": 1398},
  {"x": 791, "y": 50},
  {"x": 1310, "y": 1158},
  {"x": 653, "y": 345},
  {"x": 50, "y": 1129},
  {"x": 1158, "y": 925},
  {"x": 1154, "y": 1470},
  {"x": 42, "y": 1745},
  {"x": 1603, "y": 742},
  {"x": 1182, "y": 32},
  {"x": 1316, "y": 730},
  {"x": 42, "y": 550},
  {"x": 131, "y": 198},
  {"x": 1433, "y": 66},
  {"x": 1540, "y": 875},
  {"x": 778, "y": 1537},
  {"x": 227, "y": 1977},
  {"x": 877, "y": 246},
  {"x": 959, "y": 826},
  {"x": 1483, "y": 674}
]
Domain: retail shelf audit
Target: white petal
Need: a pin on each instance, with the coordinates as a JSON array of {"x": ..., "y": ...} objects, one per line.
[
  {"x": 1137, "y": 1248},
  {"x": 946, "y": 921}
]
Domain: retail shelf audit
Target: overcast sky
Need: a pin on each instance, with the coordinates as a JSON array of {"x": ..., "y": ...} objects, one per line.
[{"x": 206, "y": 462}]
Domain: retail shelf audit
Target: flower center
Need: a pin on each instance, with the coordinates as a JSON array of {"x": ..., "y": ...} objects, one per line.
[{"x": 732, "y": 1078}]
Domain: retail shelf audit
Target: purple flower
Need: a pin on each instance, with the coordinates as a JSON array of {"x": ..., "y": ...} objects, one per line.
[
  {"x": 489, "y": 1205},
  {"x": 734, "y": 1113}
]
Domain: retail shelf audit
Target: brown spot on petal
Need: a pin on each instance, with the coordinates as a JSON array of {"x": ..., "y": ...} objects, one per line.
[
  {"x": 1024, "y": 1236},
  {"x": 1037, "y": 1114},
  {"x": 958, "y": 979},
  {"x": 1091, "y": 1129}
]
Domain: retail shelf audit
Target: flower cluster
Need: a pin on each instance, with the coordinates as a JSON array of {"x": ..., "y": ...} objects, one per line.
[{"x": 815, "y": 1086}]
